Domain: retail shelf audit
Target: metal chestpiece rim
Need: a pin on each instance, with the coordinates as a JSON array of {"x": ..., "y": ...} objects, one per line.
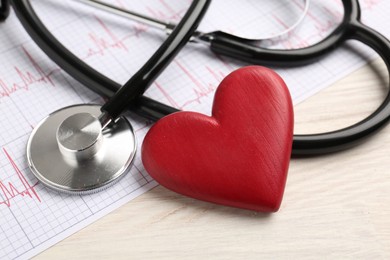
[{"x": 68, "y": 151}]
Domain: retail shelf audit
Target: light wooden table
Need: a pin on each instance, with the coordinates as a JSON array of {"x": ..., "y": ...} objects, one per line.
[{"x": 335, "y": 206}]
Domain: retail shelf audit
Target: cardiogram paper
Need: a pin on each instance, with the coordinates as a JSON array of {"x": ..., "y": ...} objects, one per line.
[{"x": 32, "y": 218}]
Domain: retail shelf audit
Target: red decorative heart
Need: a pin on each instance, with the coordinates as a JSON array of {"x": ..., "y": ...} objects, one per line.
[{"x": 237, "y": 157}]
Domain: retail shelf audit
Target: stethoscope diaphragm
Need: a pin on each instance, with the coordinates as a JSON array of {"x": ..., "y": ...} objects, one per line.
[{"x": 69, "y": 152}]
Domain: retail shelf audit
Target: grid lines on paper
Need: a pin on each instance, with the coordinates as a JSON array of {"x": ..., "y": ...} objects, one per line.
[{"x": 33, "y": 217}]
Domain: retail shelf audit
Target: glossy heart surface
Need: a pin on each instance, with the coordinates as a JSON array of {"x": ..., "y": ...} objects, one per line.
[{"x": 237, "y": 157}]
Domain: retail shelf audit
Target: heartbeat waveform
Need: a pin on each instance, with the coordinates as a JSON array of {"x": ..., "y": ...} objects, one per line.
[
  {"x": 27, "y": 78},
  {"x": 189, "y": 75},
  {"x": 200, "y": 90},
  {"x": 199, "y": 95},
  {"x": 9, "y": 191},
  {"x": 170, "y": 99},
  {"x": 210, "y": 89},
  {"x": 102, "y": 44}
]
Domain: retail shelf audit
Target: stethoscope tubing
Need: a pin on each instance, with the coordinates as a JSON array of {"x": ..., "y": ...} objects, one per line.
[
  {"x": 352, "y": 135},
  {"x": 313, "y": 144},
  {"x": 4, "y": 10}
]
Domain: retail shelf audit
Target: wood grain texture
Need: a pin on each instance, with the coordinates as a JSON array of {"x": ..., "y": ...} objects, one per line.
[
  {"x": 237, "y": 157},
  {"x": 335, "y": 206}
]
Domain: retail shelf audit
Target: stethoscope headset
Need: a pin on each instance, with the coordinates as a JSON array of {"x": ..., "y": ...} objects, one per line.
[{"x": 130, "y": 95}]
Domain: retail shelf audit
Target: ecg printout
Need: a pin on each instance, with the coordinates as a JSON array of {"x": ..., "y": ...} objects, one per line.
[{"x": 33, "y": 218}]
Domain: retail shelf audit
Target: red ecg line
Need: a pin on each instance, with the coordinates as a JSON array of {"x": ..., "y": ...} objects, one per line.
[
  {"x": 200, "y": 91},
  {"x": 103, "y": 44},
  {"x": 27, "y": 78},
  {"x": 9, "y": 191}
]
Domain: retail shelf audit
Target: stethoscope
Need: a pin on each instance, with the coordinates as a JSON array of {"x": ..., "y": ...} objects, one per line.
[{"x": 79, "y": 133}]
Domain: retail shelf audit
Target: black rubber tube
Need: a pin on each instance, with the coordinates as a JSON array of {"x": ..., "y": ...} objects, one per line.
[{"x": 4, "y": 10}]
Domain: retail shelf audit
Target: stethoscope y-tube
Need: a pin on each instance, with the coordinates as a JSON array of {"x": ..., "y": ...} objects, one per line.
[{"x": 232, "y": 46}]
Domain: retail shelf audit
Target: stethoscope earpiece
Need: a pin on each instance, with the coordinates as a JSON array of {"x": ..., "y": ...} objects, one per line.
[{"x": 68, "y": 151}]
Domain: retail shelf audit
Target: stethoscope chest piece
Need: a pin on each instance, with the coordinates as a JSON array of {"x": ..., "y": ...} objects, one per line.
[{"x": 68, "y": 151}]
